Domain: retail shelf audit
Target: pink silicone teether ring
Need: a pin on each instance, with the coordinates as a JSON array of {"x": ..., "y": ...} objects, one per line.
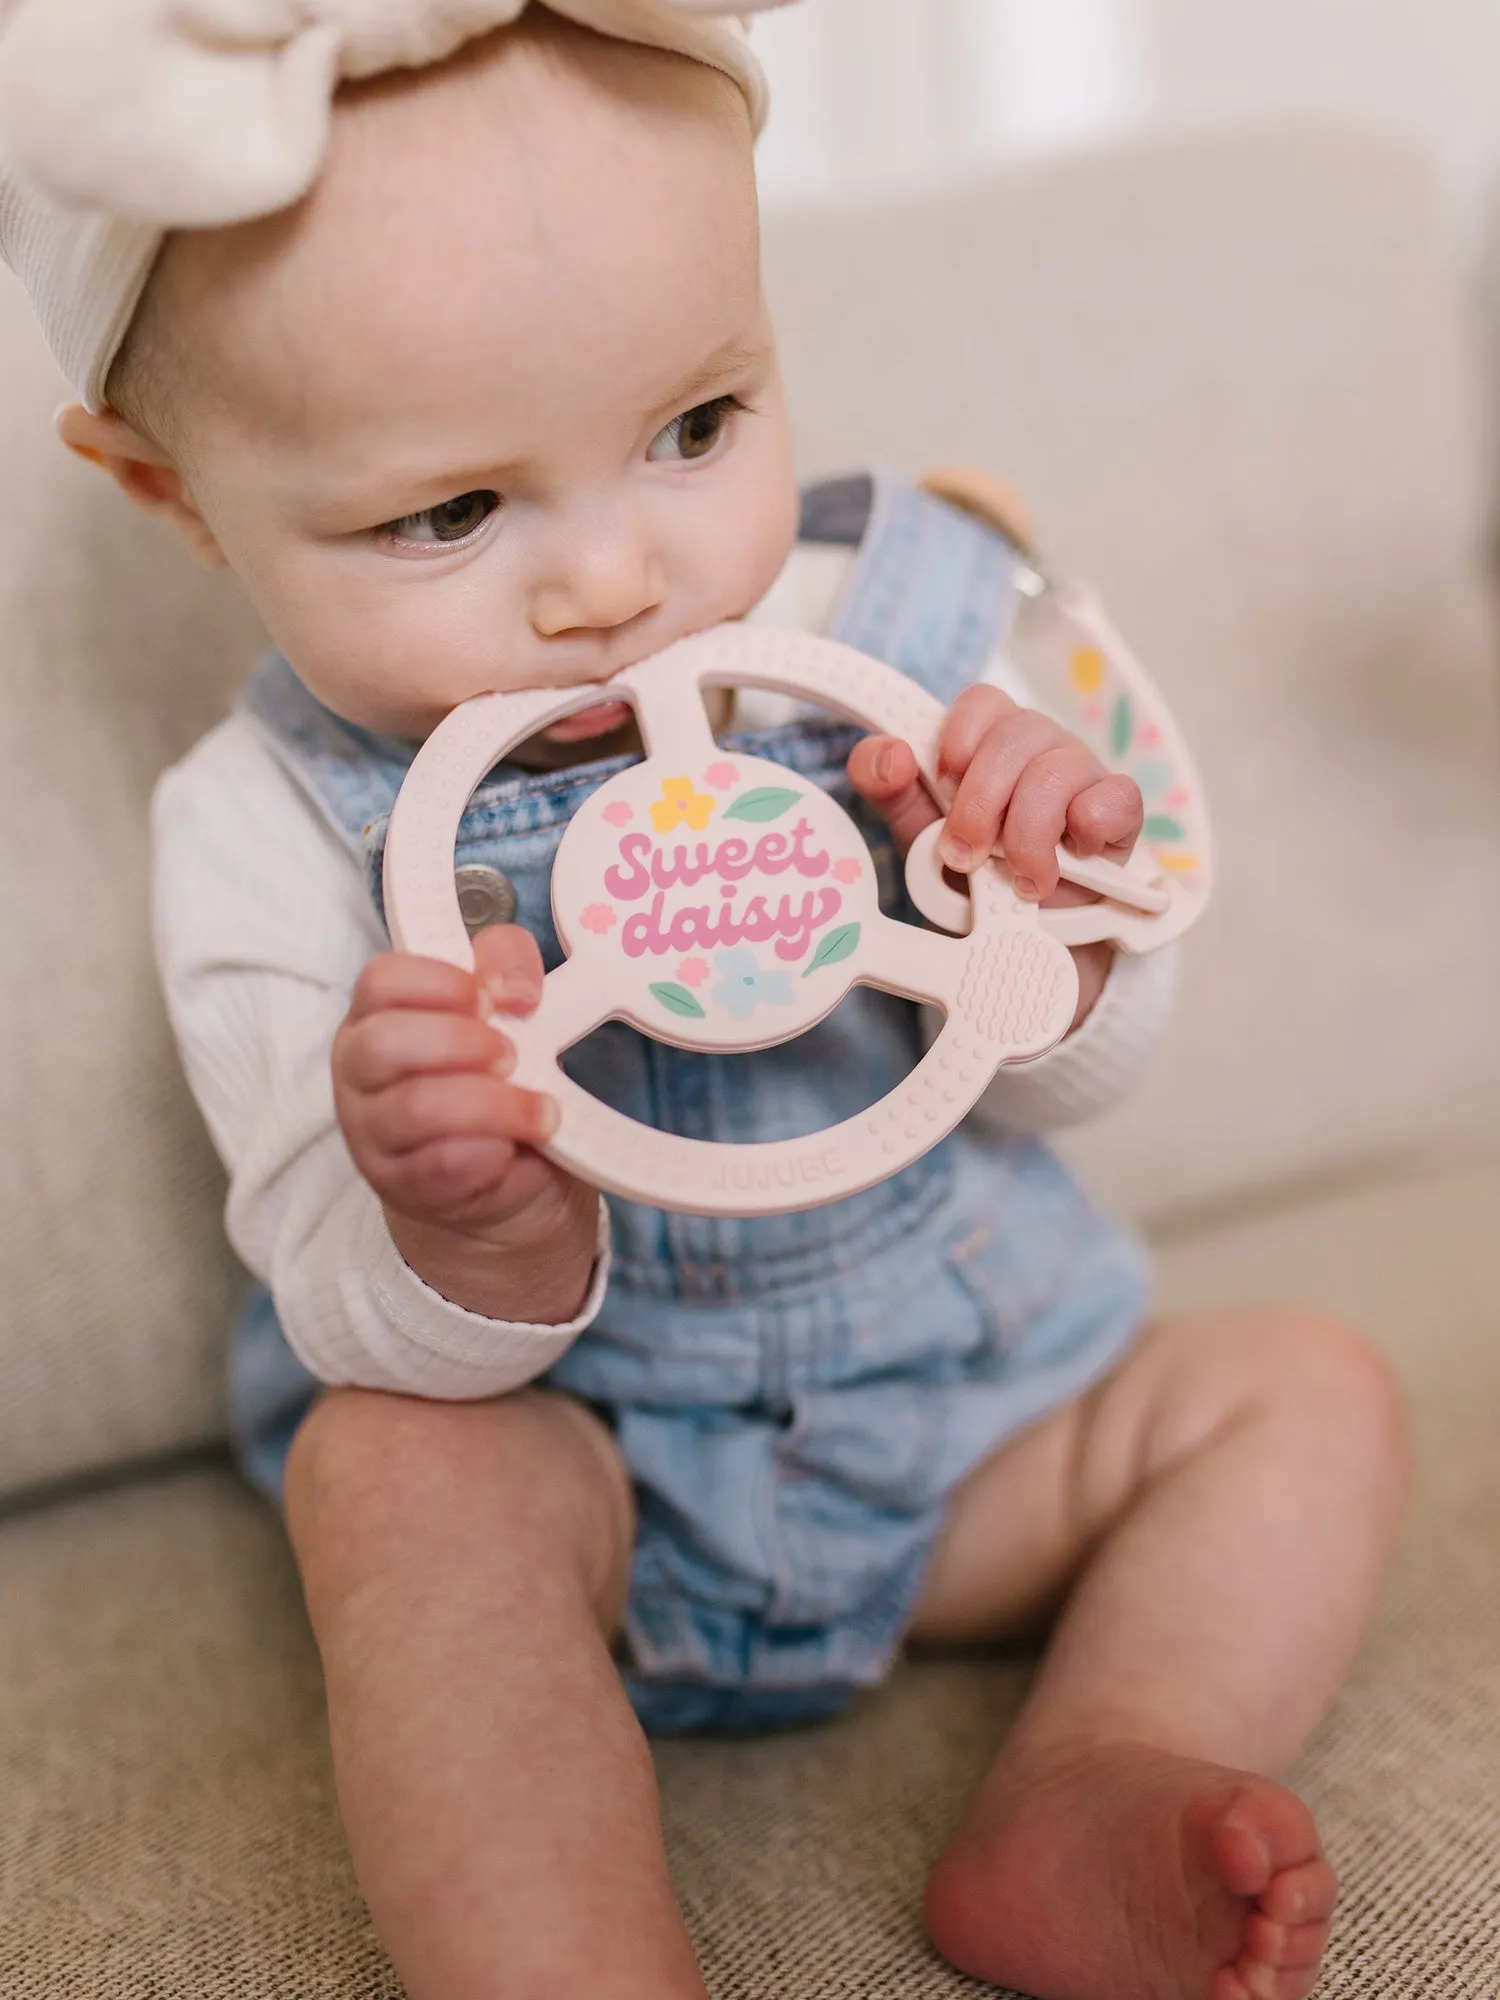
[{"x": 718, "y": 902}]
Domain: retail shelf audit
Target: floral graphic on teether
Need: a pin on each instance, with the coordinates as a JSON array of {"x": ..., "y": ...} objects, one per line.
[
  {"x": 1086, "y": 670},
  {"x": 835, "y": 948},
  {"x": 721, "y": 777},
  {"x": 1154, "y": 776},
  {"x": 743, "y": 986},
  {"x": 599, "y": 918},
  {"x": 620, "y": 813},
  {"x": 680, "y": 805},
  {"x": 694, "y": 971},
  {"x": 847, "y": 871}
]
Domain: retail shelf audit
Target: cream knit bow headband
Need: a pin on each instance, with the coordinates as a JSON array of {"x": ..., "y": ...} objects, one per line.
[{"x": 123, "y": 119}]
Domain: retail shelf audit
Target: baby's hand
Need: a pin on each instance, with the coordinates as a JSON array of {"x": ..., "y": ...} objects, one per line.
[
  {"x": 1025, "y": 785},
  {"x": 421, "y": 1087}
]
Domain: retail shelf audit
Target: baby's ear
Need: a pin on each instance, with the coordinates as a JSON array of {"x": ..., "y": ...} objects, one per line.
[{"x": 142, "y": 471}]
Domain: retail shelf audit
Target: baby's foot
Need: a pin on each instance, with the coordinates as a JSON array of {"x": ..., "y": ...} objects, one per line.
[{"x": 1126, "y": 1872}]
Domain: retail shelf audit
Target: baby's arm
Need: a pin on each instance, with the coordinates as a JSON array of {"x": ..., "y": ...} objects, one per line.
[
  {"x": 264, "y": 928},
  {"x": 1025, "y": 783}
]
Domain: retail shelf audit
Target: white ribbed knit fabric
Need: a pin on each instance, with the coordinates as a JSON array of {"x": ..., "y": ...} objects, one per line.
[{"x": 263, "y": 923}]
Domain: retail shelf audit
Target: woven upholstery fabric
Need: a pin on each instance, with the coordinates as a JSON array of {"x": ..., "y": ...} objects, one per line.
[
  {"x": 170, "y": 1826},
  {"x": 1229, "y": 379}
]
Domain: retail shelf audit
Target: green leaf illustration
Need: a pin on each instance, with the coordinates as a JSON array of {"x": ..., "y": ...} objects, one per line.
[
  {"x": 677, "y": 1000},
  {"x": 842, "y": 943},
  {"x": 770, "y": 803},
  {"x": 1162, "y": 826},
  {"x": 1122, "y": 728}
]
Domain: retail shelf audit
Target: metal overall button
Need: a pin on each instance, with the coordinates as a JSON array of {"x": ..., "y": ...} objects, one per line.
[{"x": 486, "y": 896}]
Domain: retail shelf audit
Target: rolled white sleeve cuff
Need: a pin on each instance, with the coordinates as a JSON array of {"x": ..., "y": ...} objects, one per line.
[{"x": 390, "y": 1330}]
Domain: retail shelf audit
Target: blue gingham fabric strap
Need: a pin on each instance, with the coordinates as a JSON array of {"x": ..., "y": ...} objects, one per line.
[{"x": 934, "y": 591}]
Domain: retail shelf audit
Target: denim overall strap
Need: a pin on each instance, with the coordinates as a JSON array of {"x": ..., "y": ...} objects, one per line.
[
  {"x": 934, "y": 591},
  {"x": 350, "y": 774}
]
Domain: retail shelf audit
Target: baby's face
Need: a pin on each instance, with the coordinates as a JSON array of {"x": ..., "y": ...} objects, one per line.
[{"x": 498, "y": 407}]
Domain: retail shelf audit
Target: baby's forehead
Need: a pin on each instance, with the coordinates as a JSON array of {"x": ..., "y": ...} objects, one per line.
[
  {"x": 539, "y": 178},
  {"x": 551, "y": 225}
]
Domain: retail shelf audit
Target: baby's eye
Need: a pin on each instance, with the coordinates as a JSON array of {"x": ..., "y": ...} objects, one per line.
[
  {"x": 696, "y": 432},
  {"x": 453, "y": 521}
]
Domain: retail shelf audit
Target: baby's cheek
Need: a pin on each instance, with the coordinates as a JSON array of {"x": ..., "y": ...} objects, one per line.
[
  {"x": 396, "y": 656},
  {"x": 756, "y": 529}
]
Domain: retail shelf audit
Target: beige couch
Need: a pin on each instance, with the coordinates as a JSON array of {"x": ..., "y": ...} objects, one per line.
[{"x": 1231, "y": 378}]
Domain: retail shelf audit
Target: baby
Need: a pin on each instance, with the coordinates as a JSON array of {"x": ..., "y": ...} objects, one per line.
[{"x": 495, "y": 405}]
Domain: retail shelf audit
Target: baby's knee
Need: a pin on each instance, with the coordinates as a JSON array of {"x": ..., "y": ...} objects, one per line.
[
  {"x": 379, "y": 1465},
  {"x": 345, "y": 1450},
  {"x": 1319, "y": 1369}
]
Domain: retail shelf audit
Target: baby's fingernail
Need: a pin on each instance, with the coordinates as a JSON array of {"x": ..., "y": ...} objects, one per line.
[
  {"x": 504, "y": 1064},
  {"x": 958, "y": 854},
  {"x": 885, "y": 764},
  {"x": 549, "y": 1117},
  {"x": 513, "y": 993},
  {"x": 1026, "y": 889}
]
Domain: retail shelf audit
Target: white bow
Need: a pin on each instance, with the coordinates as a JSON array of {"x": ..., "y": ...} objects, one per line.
[{"x": 195, "y": 113}]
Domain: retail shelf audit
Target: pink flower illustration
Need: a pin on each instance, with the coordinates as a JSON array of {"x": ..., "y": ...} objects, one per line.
[
  {"x": 1150, "y": 735},
  {"x": 719, "y": 777},
  {"x": 693, "y": 971},
  {"x": 619, "y": 814},
  {"x": 599, "y": 918},
  {"x": 1178, "y": 798},
  {"x": 847, "y": 871}
]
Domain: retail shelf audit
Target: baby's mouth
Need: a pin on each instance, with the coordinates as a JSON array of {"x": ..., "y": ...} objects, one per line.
[{"x": 603, "y": 719}]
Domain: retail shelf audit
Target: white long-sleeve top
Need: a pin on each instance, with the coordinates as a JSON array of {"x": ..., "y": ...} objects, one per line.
[{"x": 263, "y": 922}]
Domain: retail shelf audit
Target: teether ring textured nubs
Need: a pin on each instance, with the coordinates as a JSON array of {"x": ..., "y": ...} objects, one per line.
[{"x": 718, "y": 902}]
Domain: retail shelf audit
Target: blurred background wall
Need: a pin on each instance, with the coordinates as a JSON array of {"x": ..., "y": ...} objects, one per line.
[{"x": 880, "y": 91}]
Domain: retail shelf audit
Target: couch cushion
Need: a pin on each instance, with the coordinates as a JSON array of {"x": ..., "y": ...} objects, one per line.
[
  {"x": 114, "y": 655},
  {"x": 1228, "y": 375},
  {"x": 170, "y": 1822}
]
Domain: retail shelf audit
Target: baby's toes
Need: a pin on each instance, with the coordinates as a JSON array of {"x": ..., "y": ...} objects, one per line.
[
  {"x": 1302, "y": 1895},
  {"x": 1251, "y": 1981},
  {"x": 1285, "y": 1947}
]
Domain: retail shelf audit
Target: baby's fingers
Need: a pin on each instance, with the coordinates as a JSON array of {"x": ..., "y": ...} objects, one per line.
[
  {"x": 983, "y": 799},
  {"x": 421, "y": 1110},
  {"x": 1038, "y": 814},
  {"x": 883, "y": 770},
  {"x": 1107, "y": 818},
  {"x": 508, "y": 964},
  {"x": 443, "y": 1181},
  {"x": 979, "y": 711},
  {"x": 401, "y": 979},
  {"x": 376, "y": 1051}
]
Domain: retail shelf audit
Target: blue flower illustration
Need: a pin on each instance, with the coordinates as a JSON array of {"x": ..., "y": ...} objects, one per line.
[{"x": 743, "y": 986}]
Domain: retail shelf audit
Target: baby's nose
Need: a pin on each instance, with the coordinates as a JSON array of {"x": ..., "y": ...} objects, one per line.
[{"x": 601, "y": 587}]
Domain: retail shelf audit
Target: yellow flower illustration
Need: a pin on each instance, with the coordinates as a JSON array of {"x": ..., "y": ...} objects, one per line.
[
  {"x": 679, "y": 803},
  {"x": 1086, "y": 670}
]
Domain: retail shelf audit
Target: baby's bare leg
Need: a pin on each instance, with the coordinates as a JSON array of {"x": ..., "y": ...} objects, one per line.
[
  {"x": 1221, "y": 1510},
  {"x": 464, "y": 1567}
]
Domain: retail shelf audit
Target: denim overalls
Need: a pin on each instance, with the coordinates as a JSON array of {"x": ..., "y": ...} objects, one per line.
[{"x": 796, "y": 1396}]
